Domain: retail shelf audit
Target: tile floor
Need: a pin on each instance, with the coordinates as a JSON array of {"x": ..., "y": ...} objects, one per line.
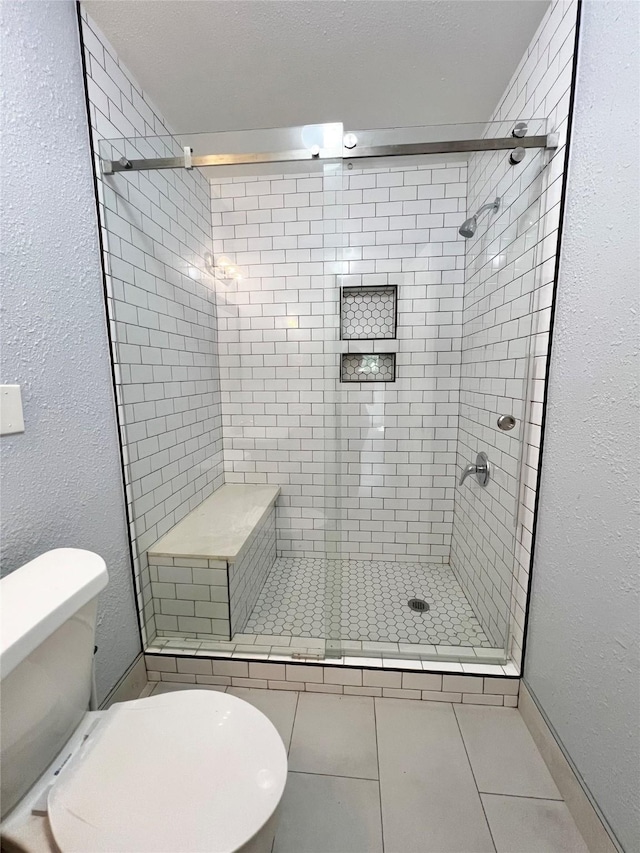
[
  {"x": 394, "y": 776},
  {"x": 373, "y": 605}
]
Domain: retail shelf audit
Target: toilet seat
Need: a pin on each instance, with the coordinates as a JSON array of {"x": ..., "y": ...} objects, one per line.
[{"x": 189, "y": 771}]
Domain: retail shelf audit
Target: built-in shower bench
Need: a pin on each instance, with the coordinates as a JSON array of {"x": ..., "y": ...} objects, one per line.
[{"x": 208, "y": 570}]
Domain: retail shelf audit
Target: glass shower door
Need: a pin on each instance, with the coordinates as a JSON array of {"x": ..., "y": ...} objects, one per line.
[
  {"x": 277, "y": 232},
  {"x": 240, "y": 256},
  {"x": 502, "y": 315},
  {"x": 436, "y": 328},
  {"x": 358, "y": 346}
]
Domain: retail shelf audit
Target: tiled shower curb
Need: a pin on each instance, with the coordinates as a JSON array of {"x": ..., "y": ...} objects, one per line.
[{"x": 397, "y": 683}]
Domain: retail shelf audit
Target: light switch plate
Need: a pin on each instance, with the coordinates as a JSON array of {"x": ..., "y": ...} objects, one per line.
[{"x": 11, "y": 420}]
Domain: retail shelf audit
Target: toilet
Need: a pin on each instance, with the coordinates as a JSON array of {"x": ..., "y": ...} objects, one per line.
[{"x": 188, "y": 771}]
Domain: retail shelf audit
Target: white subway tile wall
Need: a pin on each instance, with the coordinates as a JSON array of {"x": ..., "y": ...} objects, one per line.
[
  {"x": 507, "y": 308},
  {"x": 248, "y": 574},
  {"x": 295, "y": 239},
  {"x": 156, "y": 229},
  {"x": 277, "y": 341},
  {"x": 191, "y": 597}
]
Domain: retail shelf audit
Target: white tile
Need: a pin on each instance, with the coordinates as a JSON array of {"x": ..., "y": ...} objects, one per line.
[
  {"x": 362, "y": 691},
  {"x": 374, "y": 678},
  {"x": 329, "y": 814},
  {"x": 506, "y": 686},
  {"x": 196, "y": 666},
  {"x": 441, "y": 696},
  {"x": 236, "y": 669},
  {"x": 178, "y": 677},
  {"x": 313, "y": 687},
  {"x": 375, "y": 605},
  {"x": 502, "y": 753},
  {"x": 522, "y": 825},
  {"x": 260, "y": 683},
  {"x": 168, "y": 687},
  {"x": 421, "y": 681},
  {"x": 267, "y": 670},
  {"x": 462, "y": 683},
  {"x": 429, "y": 799},
  {"x": 335, "y": 675},
  {"x": 334, "y": 735},
  {"x": 393, "y": 693},
  {"x": 482, "y": 699},
  {"x": 287, "y": 685},
  {"x": 296, "y": 672},
  {"x": 161, "y": 664}
]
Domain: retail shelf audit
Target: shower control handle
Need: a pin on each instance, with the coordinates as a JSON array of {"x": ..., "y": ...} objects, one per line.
[{"x": 482, "y": 470}]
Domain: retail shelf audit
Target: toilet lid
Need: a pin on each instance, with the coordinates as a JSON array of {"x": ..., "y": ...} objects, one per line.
[{"x": 189, "y": 771}]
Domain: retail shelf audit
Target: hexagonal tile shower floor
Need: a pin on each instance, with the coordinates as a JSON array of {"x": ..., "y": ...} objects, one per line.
[{"x": 374, "y": 603}]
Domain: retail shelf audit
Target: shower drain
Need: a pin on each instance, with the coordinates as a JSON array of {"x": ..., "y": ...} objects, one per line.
[{"x": 419, "y": 605}]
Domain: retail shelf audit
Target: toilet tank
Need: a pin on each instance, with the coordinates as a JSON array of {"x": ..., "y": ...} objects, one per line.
[{"x": 47, "y": 634}]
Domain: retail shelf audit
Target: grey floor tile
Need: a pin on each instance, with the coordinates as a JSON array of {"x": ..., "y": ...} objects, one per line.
[
  {"x": 169, "y": 687},
  {"x": 334, "y": 735},
  {"x": 329, "y": 814},
  {"x": 503, "y": 756},
  {"x": 522, "y": 825},
  {"x": 429, "y": 799},
  {"x": 278, "y": 705}
]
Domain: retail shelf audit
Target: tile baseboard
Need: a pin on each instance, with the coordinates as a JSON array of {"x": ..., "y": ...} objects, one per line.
[
  {"x": 591, "y": 824},
  {"x": 316, "y": 677}
]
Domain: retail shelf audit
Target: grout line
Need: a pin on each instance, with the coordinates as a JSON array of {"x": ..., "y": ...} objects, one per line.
[
  {"x": 473, "y": 776},
  {"x": 293, "y": 725},
  {"x": 334, "y": 775},
  {"x": 521, "y": 796},
  {"x": 375, "y": 725},
  {"x": 188, "y": 685}
]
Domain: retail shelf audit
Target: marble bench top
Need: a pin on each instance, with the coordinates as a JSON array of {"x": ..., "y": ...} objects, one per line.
[{"x": 220, "y": 526}]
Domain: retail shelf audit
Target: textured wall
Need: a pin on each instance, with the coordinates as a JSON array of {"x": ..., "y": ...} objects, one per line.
[
  {"x": 582, "y": 660},
  {"x": 61, "y": 479}
]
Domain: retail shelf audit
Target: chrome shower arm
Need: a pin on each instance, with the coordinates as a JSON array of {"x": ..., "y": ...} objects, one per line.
[
  {"x": 468, "y": 227},
  {"x": 492, "y": 205}
]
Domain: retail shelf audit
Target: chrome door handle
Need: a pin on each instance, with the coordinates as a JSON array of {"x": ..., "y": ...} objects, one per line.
[{"x": 482, "y": 470}]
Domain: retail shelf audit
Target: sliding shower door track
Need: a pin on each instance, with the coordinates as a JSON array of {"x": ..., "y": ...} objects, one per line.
[{"x": 457, "y": 146}]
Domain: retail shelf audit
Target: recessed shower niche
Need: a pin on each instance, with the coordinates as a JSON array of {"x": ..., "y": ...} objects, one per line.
[
  {"x": 369, "y": 313},
  {"x": 368, "y": 367}
]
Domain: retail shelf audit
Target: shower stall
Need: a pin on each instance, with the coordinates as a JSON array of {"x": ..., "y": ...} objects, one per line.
[{"x": 360, "y": 319}]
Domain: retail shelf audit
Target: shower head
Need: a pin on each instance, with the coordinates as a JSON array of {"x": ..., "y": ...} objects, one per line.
[{"x": 468, "y": 227}]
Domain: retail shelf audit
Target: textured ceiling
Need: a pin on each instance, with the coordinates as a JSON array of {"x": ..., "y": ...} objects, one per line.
[{"x": 238, "y": 64}]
